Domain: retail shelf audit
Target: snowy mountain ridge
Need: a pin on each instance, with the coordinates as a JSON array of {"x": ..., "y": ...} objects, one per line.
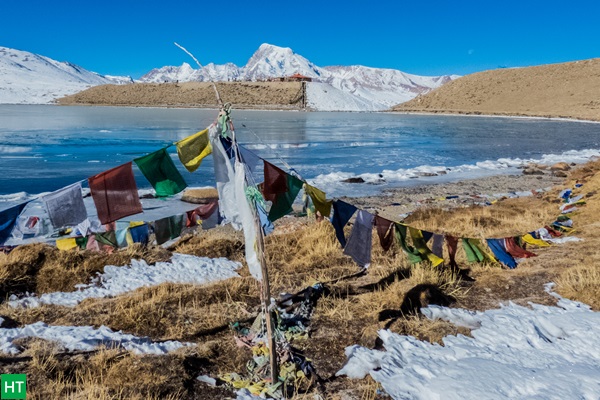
[
  {"x": 28, "y": 78},
  {"x": 361, "y": 88}
]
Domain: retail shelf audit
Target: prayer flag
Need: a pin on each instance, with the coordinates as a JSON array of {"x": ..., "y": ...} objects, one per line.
[
  {"x": 475, "y": 251},
  {"x": 342, "y": 212},
  {"x": 193, "y": 149},
  {"x": 115, "y": 194},
  {"x": 66, "y": 244},
  {"x": 107, "y": 238},
  {"x": 528, "y": 238},
  {"x": 282, "y": 203},
  {"x": 497, "y": 247},
  {"x": 225, "y": 177},
  {"x": 248, "y": 222},
  {"x": 8, "y": 218},
  {"x": 513, "y": 248},
  {"x": 202, "y": 212},
  {"x": 452, "y": 243},
  {"x": 159, "y": 169},
  {"x": 414, "y": 256},
  {"x": 437, "y": 247},
  {"x": 361, "y": 239},
  {"x": 250, "y": 159},
  {"x": 276, "y": 182},
  {"x": 322, "y": 205},
  {"x": 65, "y": 206},
  {"x": 140, "y": 233},
  {"x": 385, "y": 231},
  {"x": 421, "y": 246}
]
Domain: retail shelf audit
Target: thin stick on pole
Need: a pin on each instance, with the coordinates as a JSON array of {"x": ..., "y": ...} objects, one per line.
[
  {"x": 200, "y": 66},
  {"x": 266, "y": 300}
]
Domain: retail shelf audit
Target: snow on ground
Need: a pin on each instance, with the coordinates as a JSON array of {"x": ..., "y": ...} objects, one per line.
[
  {"x": 324, "y": 97},
  {"x": 84, "y": 338},
  {"x": 115, "y": 280},
  {"x": 540, "y": 352}
]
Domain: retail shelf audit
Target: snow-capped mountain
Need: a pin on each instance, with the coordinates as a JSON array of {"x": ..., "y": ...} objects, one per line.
[
  {"x": 355, "y": 88},
  {"x": 28, "y": 78}
]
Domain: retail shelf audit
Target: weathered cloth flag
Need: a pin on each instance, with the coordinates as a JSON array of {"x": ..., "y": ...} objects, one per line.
[
  {"x": 159, "y": 169},
  {"x": 8, "y": 219},
  {"x": 193, "y": 149},
  {"x": 385, "y": 231},
  {"x": 115, "y": 193},
  {"x": 361, "y": 239},
  {"x": 498, "y": 248},
  {"x": 281, "y": 189},
  {"x": 65, "y": 206},
  {"x": 318, "y": 197},
  {"x": 342, "y": 212}
]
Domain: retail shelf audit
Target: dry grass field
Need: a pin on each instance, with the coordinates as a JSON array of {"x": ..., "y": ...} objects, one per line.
[
  {"x": 258, "y": 95},
  {"x": 567, "y": 90},
  {"x": 299, "y": 253}
]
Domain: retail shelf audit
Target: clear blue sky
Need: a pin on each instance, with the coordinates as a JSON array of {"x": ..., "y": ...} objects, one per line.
[{"x": 130, "y": 37}]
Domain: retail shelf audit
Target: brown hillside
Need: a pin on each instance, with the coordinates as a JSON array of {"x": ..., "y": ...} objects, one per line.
[
  {"x": 568, "y": 90},
  {"x": 269, "y": 95}
]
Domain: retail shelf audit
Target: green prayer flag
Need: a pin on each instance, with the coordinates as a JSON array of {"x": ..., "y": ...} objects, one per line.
[
  {"x": 413, "y": 254},
  {"x": 176, "y": 225},
  {"x": 282, "y": 204},
  {"x": 476, "y": 252},
  {"x": 159, "y": 169},
  {"x": 107, "y": 238}
]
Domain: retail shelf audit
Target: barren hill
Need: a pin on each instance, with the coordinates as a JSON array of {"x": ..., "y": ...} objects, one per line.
[
  {"x": 567, "y": 90},
  {"x": 268, "y": 95}
]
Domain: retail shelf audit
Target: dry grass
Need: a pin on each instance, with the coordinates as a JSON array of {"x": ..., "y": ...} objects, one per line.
[{"x": 41, "y": 268}]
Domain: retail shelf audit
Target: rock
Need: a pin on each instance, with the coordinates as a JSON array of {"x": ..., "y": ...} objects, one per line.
[
  {"x": 426, "y": 174},
  {"x": 561, "y": 166},
  {"x": 200, "y": 196},
  {"x": 442, "y": 172},
  {"x": 532, "y": 171},
  {"x": 356, "y": 179},
  {"x": 559, "y": 174}
]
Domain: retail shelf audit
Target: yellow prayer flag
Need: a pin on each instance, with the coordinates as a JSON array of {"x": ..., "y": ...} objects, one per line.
[
  {"x": 193, "y": 149},
  {"x": 533, "y": 241},
  {"x": 319, "y": 199},
  {"x": 66, "y": 244},
  {"x": 133, "y": 224},
  {"x": 421, "y": 246}
]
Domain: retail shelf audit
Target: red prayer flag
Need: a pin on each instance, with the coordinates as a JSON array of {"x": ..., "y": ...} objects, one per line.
[
  {"x": 115, "y": 193},
  {"x": 275, "y": 182}
]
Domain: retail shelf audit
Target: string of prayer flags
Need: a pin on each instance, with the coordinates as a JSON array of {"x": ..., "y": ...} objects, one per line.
[
  {"x": 498, "y": 248},
  {"x": 318, "y": 197},
  {"x": 513, "y": 248},
  {"x": 342, "y": 212},
  {"x": 361, "y": 239},
  {"x": 193, "y": 149},
  {"x": 8, "y": 219},
  {"x": 159, "y": 169},
  {"x": 65, "y": 206},
  {"x": 414, "y": 256},
  {"x": 475, "y": 251},
  {"x": 385, "y": 231},
  {"x": 421, "y": 245},
  {"x": 115, "y": 193}
]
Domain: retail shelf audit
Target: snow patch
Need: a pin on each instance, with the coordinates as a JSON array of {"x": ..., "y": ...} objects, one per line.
[
  {"x": 85, "y": 338},
  {"x": 116, "y": 280},
  {"x": 514, "y": 352}
]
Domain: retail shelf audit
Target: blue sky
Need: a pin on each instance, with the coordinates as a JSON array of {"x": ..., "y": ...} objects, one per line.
[{"x": 130, "y": 37}]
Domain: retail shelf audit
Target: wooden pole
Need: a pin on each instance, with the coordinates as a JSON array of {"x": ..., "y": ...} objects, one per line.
[{"x": 266, "y": 300}]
